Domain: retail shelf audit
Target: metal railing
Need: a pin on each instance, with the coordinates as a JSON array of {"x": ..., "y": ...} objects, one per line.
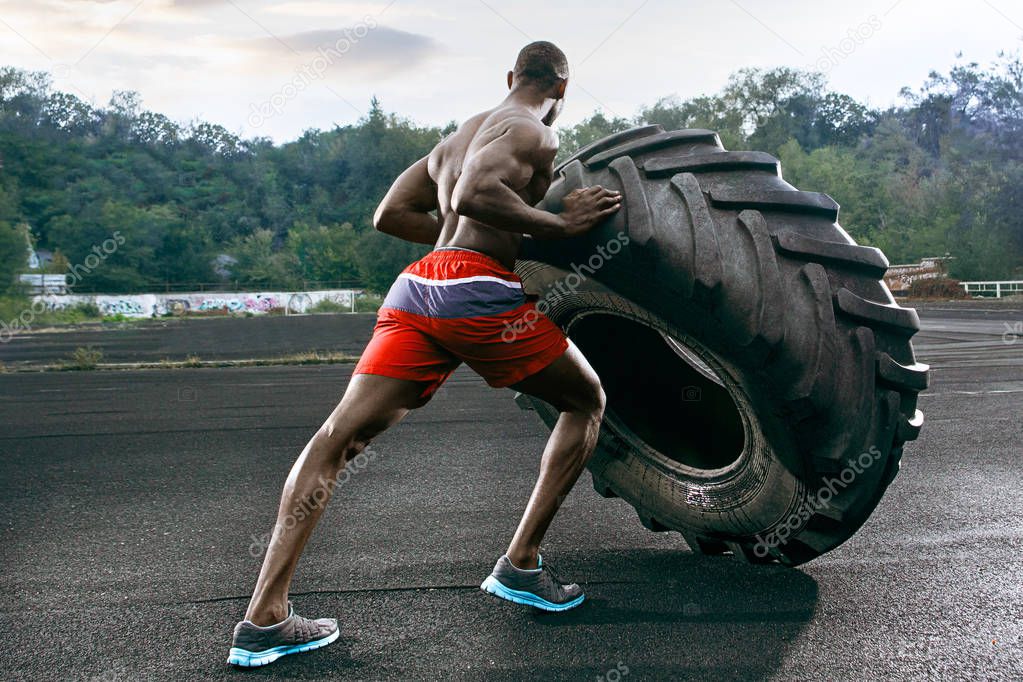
[{"x": 997, "y": 289}]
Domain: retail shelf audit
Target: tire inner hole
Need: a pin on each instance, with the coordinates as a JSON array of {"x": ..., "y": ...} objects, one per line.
[{"x": 661, "y": 393}]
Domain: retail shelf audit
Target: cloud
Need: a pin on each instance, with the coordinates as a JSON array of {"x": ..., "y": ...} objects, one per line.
[
  {"x": 374, "y": 51},
  {"x": 322, "y": 8}
]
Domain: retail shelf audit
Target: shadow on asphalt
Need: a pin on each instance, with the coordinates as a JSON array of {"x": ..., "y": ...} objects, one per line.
[{"x": 721, "y": 611}]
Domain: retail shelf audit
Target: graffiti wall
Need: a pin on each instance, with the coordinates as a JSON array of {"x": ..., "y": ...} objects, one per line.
[
  {"x": 900, "y": 277},
  {"x": 156, "y": 305}
]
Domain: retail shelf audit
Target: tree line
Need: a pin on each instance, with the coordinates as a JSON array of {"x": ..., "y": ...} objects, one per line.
[{"x": 939, "y": 173}]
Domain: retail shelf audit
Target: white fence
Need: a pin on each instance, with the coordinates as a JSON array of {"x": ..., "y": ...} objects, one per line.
[
  {"x": 155, "y": 305},
  {"x": 995, "y": 289}
]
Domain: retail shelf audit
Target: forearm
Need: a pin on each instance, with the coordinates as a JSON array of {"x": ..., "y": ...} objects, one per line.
[
  {"x": 412, "y": 226},
  {"x": 498, "y": 206}
]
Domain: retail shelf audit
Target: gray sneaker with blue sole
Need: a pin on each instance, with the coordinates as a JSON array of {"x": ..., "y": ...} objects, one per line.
[
  {"x": 256, "y": 645},
  {"x": 538, "y": 587}
]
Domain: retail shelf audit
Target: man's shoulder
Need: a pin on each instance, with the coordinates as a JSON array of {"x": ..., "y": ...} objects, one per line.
[
  {"x": 529, "y": 136},
  {"x": 529, "y": 127}
]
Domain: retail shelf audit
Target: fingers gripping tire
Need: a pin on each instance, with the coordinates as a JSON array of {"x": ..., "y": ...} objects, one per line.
[{"x": 760, "y": 378}]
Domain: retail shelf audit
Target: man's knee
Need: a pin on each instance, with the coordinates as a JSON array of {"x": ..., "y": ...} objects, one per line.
[
  {"x": 344, "y": 444},
  {"x": 591, "y": 401}
]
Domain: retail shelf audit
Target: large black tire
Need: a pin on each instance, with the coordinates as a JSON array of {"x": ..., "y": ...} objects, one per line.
[{"x": 760, "y": 377}]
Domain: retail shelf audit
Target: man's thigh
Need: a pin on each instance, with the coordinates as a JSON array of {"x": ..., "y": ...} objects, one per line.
[{"x": 371, "y": 404}]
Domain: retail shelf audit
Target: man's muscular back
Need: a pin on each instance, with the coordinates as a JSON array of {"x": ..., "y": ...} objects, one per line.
[
  {"x": 484, "y": 144},
  {"x": 483, "y": 180}
]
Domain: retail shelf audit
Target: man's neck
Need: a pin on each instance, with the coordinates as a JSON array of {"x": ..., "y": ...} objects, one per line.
[{"x": 528, "y": 98}]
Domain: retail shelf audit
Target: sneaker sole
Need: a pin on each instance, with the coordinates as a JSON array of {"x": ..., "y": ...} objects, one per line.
[
  {"x": 253, "y": 659},
  {"x": 493, "y": 586}
]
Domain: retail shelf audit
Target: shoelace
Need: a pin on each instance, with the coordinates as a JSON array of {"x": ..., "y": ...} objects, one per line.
[
  {"x": 554, "y": 576},
  {"x": 303, "y": 629}
]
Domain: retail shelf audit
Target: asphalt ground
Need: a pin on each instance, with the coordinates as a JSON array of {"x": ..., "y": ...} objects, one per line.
[{"x": 134, "y": 503}]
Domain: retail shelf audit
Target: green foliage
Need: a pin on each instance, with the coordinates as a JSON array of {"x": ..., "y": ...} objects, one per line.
[
  {"x": 13, "y": 255},
  {"x": 589, "y": 130},
  {"x": 941, "y": 172},
  {"x": 381, "y": 258},
  {"x": 324, "y": 254},
  {"x": 260, "y": 263}
]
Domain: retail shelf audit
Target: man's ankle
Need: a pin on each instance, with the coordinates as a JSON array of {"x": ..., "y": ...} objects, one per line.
[
  {"x": 266, "y": 616},
  {"x": 525, "y": 561}
]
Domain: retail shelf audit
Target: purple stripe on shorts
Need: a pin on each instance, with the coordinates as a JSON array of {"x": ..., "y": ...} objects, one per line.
[{"x": 469, "y": 299}]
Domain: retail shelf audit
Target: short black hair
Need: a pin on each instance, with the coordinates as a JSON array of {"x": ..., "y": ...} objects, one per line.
[{"x": 542, "y": 63}]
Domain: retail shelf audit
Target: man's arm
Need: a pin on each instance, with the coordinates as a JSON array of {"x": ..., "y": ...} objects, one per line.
[
  {"x": 405, "y": 209},
  {"x": 487, "y": 189}
]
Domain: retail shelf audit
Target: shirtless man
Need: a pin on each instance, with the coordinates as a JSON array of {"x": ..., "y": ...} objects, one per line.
[{"x": 456, "y": 305}]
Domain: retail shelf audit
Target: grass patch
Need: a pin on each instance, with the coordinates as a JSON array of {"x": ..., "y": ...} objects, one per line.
[
  {"x": 83, "y": 358},
  {"x": 314, "y": 357}
]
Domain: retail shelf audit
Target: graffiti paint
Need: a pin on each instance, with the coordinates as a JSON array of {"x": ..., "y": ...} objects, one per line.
[{"x": 153, "y": 305}]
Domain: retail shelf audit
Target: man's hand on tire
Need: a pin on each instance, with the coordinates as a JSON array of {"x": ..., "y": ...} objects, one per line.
[{"x": 586, "y": 207}]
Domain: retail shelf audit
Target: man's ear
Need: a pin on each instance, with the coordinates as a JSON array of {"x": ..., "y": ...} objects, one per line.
[
  {"x": 559, "y": 90},
  {"x": 511, "y": 76}
]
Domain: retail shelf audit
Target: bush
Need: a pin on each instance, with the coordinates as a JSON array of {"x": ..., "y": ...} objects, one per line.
[
  {"x": 83, "y": 358},
  {"x": 328, "y": 306}
]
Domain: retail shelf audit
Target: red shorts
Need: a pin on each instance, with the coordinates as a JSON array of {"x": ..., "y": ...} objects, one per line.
[{"x": 452, "y": 306}]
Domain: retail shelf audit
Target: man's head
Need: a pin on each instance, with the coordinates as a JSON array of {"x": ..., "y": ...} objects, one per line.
[{"x": 544, "y": 68}]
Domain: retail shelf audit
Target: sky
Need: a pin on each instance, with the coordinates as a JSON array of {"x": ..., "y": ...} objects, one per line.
[{"x": 276, "y": 68}]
